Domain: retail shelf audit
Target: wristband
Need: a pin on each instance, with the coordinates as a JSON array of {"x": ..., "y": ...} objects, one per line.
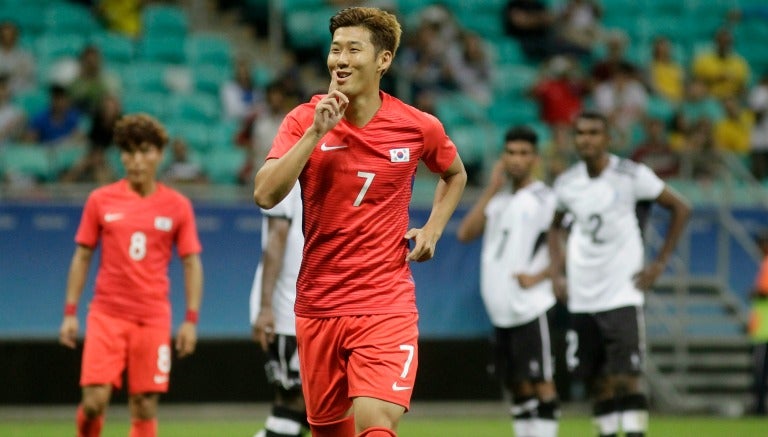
[
  {"x": 70, "y": 309},
  {"x": 191, "y": 316}
]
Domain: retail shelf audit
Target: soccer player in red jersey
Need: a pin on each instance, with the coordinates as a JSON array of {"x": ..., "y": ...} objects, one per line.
[
  {"x": 355, "y": 152},
  {"x": 137, "y": 221}
]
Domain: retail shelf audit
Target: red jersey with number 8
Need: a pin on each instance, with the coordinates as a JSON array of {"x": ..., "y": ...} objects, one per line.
[
  {"x": 137, "y": 235},
  {"x": 356, "y": 189}
]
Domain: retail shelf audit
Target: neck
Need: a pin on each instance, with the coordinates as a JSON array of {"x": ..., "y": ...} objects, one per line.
[
  {"x": 143, "y": 189},
  {"x": 520, "y": 183},
  {"x": 597, "y": 165},
  {"x": 362, "y": 108}
]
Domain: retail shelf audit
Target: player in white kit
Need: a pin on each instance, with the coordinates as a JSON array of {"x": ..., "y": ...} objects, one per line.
[
  {"x": 513, "y": 215},
  {"x": 272, "y": 318},
  {"x": 605, "y": 272}
]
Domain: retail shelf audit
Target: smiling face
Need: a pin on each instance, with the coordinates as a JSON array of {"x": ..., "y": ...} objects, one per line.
[{"x": 355, "y": 64}]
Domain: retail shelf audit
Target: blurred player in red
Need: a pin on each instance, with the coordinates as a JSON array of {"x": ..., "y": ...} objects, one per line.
[
  {"x": 137, "y": 221},
  {"x": 355, "y": 152}
]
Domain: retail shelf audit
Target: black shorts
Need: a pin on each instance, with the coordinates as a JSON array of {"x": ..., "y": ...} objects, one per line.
[
  {"x": 282, "y": 367},
  {"x": 606, "y": 343},
  {"x": 524, "y": 353}
]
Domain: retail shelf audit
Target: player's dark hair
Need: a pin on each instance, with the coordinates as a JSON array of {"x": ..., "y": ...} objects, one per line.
[
  {"x": 384, "y": 27},
  {"x": 594, "y": 115},
  {"x": 133, "y": 130},
  {"x": 523, "y": 133}
]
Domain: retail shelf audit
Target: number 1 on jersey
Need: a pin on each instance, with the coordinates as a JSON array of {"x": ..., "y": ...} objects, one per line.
[{"x": 368, "y": 176}]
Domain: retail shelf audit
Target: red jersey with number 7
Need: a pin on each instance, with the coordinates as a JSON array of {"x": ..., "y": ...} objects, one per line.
[
  {"x": 356, "y": 188},
  {"x": 137, "y": 235}
]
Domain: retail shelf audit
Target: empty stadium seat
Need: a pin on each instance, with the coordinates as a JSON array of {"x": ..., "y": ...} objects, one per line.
[
  {"x": 52, "y": 46},
  {"x": 115, "y": 48},
  {"x": 69, "y": 18},
  {"x": 27, "y": 160},
  {"x": 209, "y": 78},
  {"x": 164, "y": 20},
  {"x": 222, "y": 166},
  {"x": 197, "y": 107},
  {"x": 208, "y": 49},
  {"x": 162, "y": 48},
  {"x": 153, "y": 103},
  {"x": 144, "y": 77}
]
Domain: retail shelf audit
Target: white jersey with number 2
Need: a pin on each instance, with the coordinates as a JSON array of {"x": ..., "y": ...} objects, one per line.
[
  {"x": 605, "y": 247},
  {"x": 514, "y": 242}
]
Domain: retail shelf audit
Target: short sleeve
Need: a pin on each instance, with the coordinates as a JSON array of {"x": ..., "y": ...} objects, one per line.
[
  {"x": 187, "y": 241},
  {"x": 89, "y": 228},
  {"x": 439, "y": 150},
  {"x": 648, "y": 186}
]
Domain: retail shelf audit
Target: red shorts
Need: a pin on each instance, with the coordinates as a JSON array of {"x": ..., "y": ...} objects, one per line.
[
  {"x": 113, "y": 345},
  {"x": 345, "y": 357}
]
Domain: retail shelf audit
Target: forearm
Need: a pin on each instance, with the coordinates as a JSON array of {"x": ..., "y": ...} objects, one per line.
[
  {"x": 193, "y": 281},
  {"x": 447, "y": 197},
  {"x": 473, "y": 223},
  {"x": 555, "y": 247},
  {"x": 78, "y": 273},
  {"x": 276, "y": 177}
]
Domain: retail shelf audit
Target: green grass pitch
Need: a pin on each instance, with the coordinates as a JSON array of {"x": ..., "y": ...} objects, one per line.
[{"x": 410, "y": 427}]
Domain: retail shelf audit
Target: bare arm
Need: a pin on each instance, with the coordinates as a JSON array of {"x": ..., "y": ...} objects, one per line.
[
  {"x": 680, "y": 212},
  {"x": 78, "y": 274},
  {"x": 276, "y": 177},
  {"x": 473, "y": 224},
  {"x": 186, "y": 338},
  {"x": 555, "y": 238},
  {"x": 272, "y": 265},
  {"x": 447, "y": 196}
]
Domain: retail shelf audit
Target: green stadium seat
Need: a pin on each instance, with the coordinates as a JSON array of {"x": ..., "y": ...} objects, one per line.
[
  {"x": 209, "y": 78},
  {"x": 115, "y": 48},
  {"x": 162, "y": 48},
  {"x": 513, "y": 80},
  {"x": 144, "y": 77},
  {"x": 50, "y": 46},
  {"x": 155, "y": 103},
  {"x": 27, "y": 160},
  {"x": 223, "y": 134},
  {"x": 64, "y": 157},
  {"x": 660, "y": 108},
  {"x": 476, "y": 143},
  {"x": 222, "y": 165},
  {"x": 308, "y": 28},
  {"x": 69, "y": 18},
  {"x": 32, "y": 101},
  {"x": 164, "y": 20},
  {"x": 507, "y": 51},
  {"x": 197, "y": 135},
  {"x": 196, "y": 107},
  {"x": 26, "y": 17},
  {"x": 208, "y": 49},
  {"x": 457, "y": 109},
  {"x": 510, "y": 112},
  {"x": 262, "y": 75}
]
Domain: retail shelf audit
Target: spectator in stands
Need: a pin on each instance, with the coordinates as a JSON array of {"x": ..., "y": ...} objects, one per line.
[
  {"x": 94, "y": 167},
  {"x": 732, "y": 132},
  {"x": 724, "y": 72},
  {"x": 758, "y": 327},
  {"x": 558, "y": 153},
  {"x": 59, "y": 123},
  {"x": 677, "y": 132},
  {"x": 12, "y": 117},
  {"x": 15, "y": 62},
  {"x": 559, "y": 92},
  {"x": 239, "y": 95},
  {"x": 182, "y": 168},
  {"x": 665, "y": 75},
  {"x": 469, "y": 67},
  {"x": 534, "y": 26},
  {"x": 655, "y": 151},
  {"x": 122, "y": 16},
  {"x": 698, "y": 104},
  {"x": 623, "y": 100},
  {"x": 758, "y": 103},
  {"x": 579, "y": 23},
  {"x": 615, "y": 56},
  {"x": 92, "y": 84},
  {"x": 702, "y": 160}
]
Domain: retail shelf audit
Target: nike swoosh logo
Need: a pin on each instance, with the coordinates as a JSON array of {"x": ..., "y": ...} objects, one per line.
[
  {"x": 326, "y": 148},
  {"x": 396, "y": 387},
  {"x": 160, "y": 379},
  {"x": 110, "y": 217}
]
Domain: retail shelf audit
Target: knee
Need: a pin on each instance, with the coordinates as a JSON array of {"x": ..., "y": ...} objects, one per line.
[
  {"x": 94, "y": 402},
  {"x": 143, "y": 406}
]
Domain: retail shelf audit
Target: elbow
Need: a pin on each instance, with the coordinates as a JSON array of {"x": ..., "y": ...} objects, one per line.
[{"x": 262, "y": 199}]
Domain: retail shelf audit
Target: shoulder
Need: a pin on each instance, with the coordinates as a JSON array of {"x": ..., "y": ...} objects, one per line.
[
  {"x": 627, "y": 167},
  {"x": 571, "y": 174},
  {"x": 407, "y": 114},
  {"x": 168, "y": 194}
]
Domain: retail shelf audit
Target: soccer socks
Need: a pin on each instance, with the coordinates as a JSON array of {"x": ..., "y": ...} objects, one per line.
[
  {"x": 377, "y": 431},
  {"x": 143, "y": 428},
  {"x": 523, "y": 411},
  {"x": 634, "y": 414},
  {"x": 341, "y": 428},
  {"x": 88, "y": 427},
  {"x": 545, "y": 422},
  {"x": 606, "y": 417},
  {"x": 284, "y": 422}
]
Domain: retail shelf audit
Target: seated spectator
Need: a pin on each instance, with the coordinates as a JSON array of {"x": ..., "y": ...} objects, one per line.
[
  {"x": 666, "y": 77},
  {"x": 182, "y": 169},
  {"x": 15, "y": 62},
  {"x": 239, "y": 95},
  {"x": 59, "y": 123},
  {"x": 559, "y": 92},
  {"x": 559, "y": 153},
  {"x": 579, "y": 23},
  {"x": 701, "y": 160},
  {"x": 469, "y": 66},
  {"x": 624, "y": 100},
  {"x": 724, "y": 72},
  {"x": 732, "y": 132},
  {"x": 12, "y": 117},
  {"x": 534, "y": 26},
  {"x": 92, "y": 83},
  {"x": 699, "y": 104},
  {"x": 122, "y": 16},
  {"x": 655, "y": 151},
  {"x": 94, "y": 166},
  {"x": 758, "y": 102},
  {"x": 678, "y": 130}
]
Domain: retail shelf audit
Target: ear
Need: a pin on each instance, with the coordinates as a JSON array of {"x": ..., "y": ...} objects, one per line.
[{"x": 384, "y": 61}]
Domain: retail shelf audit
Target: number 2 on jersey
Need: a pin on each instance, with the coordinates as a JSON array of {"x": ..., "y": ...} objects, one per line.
[
  {"x": 596, "y": 222},
  {"x": 368, "y": 176}
]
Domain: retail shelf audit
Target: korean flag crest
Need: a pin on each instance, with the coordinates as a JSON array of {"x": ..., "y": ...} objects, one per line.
[{"x": 399, "y": 155}]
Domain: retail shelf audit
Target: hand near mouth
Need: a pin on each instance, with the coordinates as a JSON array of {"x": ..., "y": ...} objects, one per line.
[{"x": 330, "y": 109}]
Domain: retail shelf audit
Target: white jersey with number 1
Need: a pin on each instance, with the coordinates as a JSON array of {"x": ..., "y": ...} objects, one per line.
[
  {"x": 605, "y": 247},
  {"x": 284, "y": 295},
  {"x": 514, "y": 242}
]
